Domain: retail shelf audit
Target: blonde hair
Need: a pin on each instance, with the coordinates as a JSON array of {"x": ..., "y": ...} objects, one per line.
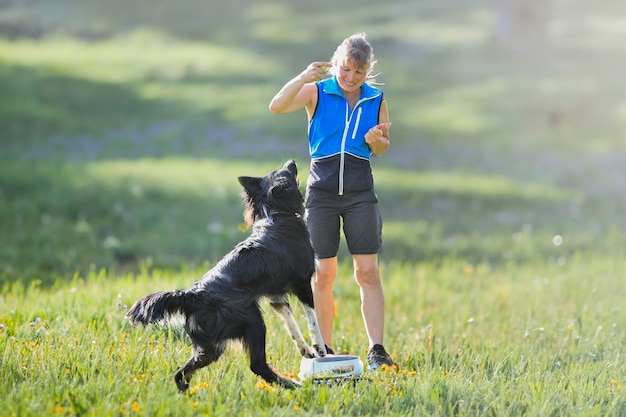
[{"x": 358, "y": 50}]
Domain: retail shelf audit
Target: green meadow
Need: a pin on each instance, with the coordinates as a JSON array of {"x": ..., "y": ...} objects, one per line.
[{"x": 123, "y": 128}]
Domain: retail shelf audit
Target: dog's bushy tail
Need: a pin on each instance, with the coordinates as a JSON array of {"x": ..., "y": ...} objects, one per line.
[{"x": 158, "y": 306}]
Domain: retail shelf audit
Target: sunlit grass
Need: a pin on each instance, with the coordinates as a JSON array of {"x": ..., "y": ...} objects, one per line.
[
  {"x": 138, "y": 76},
  {"x": 442, "y": 77},
  {"x": 67, "y": 217},
  {"x": 136, "y": 57},
  {"x": 468, "y": 338},
  {"x": 450, "y": 182},
  {"x": 178, "y": 175}
]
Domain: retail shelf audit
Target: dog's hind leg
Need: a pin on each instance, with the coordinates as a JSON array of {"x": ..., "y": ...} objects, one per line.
[
  {"x": 201, "y": 356},
  {"x": 281, "y": 306},
  {"x": 254, "y": 340}
]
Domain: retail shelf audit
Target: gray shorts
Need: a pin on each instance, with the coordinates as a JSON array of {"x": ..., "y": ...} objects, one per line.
[{"x": 362, "y": 222}]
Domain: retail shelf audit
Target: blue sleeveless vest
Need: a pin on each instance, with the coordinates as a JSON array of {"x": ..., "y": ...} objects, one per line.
[{"x": 340, "y": 157}]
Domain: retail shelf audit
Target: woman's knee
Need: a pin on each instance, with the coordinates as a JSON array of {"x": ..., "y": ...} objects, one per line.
[
  {"x": 366, "y": 270},
  {"x": 369, "y": 277},
  {"x": 326, "y": 272}
]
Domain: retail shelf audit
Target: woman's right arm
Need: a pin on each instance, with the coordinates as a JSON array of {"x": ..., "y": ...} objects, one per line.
[{"x": 301, "y": 91}]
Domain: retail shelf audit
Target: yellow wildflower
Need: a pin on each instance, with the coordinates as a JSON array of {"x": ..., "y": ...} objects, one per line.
[
  {"x": 393, "y": 368},
  {"x": 264, "y": 386}
]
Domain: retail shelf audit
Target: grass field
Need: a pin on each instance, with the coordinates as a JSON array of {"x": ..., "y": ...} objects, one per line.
[
  {"x": 516, "y": 340},
  {"x": 123, "y": 127}
]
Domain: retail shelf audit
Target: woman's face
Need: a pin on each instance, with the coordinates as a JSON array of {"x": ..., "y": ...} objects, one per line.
[{"x": 349, "y": 76}]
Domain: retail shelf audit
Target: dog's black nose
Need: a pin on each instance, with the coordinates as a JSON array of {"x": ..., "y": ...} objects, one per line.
[{"x": 291, "y": 167}]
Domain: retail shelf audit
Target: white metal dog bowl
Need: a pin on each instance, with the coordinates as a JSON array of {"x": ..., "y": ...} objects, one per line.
[{"x": 331, "y": 366}]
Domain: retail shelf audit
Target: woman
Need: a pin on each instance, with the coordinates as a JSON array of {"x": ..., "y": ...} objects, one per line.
[{"x": 348, "y": 122}]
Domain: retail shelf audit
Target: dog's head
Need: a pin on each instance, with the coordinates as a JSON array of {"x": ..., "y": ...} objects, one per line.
[{"x": 275, "y": 193}]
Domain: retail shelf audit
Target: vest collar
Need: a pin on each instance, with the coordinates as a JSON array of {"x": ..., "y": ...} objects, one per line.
[{"x": 331, "y": 86}]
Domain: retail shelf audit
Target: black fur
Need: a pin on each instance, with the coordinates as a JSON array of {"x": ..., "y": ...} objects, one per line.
[{"x": 277, "y": 259}]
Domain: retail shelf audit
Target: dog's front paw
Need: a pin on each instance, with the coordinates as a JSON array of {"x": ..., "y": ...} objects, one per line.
[
  {"x": 321, "y": 350},
  {"x": 308, "y": 352}
]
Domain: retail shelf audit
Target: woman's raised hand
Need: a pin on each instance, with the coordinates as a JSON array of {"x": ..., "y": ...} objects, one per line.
[{"x": 315, "y": 71}]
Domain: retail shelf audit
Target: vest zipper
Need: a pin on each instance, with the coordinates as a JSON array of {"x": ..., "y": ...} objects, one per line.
[
  {"x": 356, "y": 124},
  {"x": 342, "y": 155}
]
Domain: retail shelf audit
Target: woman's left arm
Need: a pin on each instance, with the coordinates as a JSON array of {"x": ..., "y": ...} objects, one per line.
[{"x": 378, "y": 137}]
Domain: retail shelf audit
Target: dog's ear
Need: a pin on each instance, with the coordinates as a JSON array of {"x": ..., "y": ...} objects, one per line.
[{"x": 252, "y": 185}]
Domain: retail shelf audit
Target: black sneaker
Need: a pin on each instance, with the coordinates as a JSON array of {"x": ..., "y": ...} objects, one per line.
[
  {"x": 377, "y": 357},
  {"x": 329, "y": 350}
]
